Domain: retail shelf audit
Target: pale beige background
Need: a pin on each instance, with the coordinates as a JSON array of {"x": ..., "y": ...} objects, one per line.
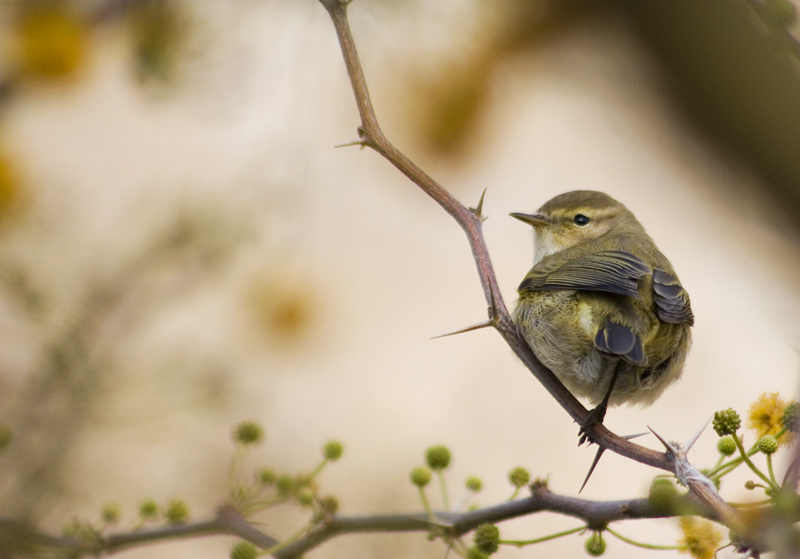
[{"x": 248, "y": 138}]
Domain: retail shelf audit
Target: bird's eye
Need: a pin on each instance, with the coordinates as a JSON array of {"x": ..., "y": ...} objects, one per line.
[{"x": 580, "y": 220}]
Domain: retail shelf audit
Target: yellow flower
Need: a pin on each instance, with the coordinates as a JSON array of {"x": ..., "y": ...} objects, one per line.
[
  {"x": 765, "y": 417},
  {"x": 52, "y": 40},
  {"x": 701, "y": 538}
]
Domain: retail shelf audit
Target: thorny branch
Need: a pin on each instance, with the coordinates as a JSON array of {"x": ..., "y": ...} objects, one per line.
[
  {"x": 702, "y": 501},
  {"x": 470, "y": 221},
  {"x": 595, "y": 514}
]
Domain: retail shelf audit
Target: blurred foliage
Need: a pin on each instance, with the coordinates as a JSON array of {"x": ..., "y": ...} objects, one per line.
[
  {"x": 52, "y": 40},
  {"x": 450, "y": 102},
  {"x": 157, "y": 29},
  {"x": 78, "y": 349},
  {"x": 737, "y": 76}
]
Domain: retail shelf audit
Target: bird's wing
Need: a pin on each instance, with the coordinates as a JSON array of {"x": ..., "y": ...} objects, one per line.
[
  {"x": 609, "y": 271},
  {"x": 671, "y": 299}
]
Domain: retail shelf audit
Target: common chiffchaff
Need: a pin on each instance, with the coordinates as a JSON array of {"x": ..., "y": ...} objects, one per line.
[{"x": 602, "y": 308}]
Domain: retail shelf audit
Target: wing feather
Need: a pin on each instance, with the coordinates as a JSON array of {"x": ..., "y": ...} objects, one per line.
[{"x": 609, "y": 271}]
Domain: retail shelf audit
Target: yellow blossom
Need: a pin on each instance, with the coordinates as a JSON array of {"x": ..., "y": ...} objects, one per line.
[
  {"x": 765, "y": 417},
  {"x": 701, "y": 538},
  {"x": 52, "y": 40}
]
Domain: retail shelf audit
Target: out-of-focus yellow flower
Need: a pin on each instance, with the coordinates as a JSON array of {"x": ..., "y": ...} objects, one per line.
[
  {"x": 283, "y": 305},
  {"x": 11, "y": 193},
  {"x": 52, "y": 41},
  {"x": 700, "y": 537},
  {"x": 765, "y": 417}
]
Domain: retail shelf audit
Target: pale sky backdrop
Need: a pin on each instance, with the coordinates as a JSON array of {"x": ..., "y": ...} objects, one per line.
[{"x": 244, "y": 144}]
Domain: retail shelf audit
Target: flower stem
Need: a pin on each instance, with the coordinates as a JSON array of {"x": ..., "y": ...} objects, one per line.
[
  {"x": 752, "y": 466},
  {"x": 425, "y": 504},
  {"x": 443, "y": 486},
  {"x": 318, "y": 469},
  {"x": 522, "y": 543},
  {"x": 770, "y": 471},
  {"x": 640, "y": 544}
]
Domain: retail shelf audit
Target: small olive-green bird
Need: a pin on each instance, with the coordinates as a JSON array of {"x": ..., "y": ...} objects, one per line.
[{"x": 602, "y": 308}]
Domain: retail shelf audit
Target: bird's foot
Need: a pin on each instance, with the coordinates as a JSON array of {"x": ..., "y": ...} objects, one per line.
[{"x": 595, "y": 417}]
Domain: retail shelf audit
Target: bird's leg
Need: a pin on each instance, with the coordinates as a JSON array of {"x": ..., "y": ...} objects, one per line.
[{"x": 597, "y": 414}]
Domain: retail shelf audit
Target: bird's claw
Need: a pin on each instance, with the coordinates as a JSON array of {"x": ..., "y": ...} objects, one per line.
[{"x": 595, "y": 417}]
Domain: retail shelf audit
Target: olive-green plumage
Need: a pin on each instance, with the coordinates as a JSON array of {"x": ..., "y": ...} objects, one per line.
[{"x": 601, "y": 294}]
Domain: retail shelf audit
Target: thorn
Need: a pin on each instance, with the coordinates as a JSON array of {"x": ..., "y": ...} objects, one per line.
[
  {"x": 671, "y": 447},
  {"x": 684, "y": 471},
  {"x": 637, "y": 435},
  {"x": 354, "y": 143},
  {"x": 600, "y": 451},
  {"x": 696, "y": 436},
  {"x": 484, "y": 324},
  {"x": 479, "y": 209}
]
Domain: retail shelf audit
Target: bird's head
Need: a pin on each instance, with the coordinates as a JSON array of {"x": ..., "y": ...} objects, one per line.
[{"x": 575, "y": 217}]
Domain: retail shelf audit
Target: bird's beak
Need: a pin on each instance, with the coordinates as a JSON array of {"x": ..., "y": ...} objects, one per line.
[{"x": 534, "y": 220}]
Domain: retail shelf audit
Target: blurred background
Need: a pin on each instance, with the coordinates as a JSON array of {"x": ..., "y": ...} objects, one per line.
[{"x": 182, "y": 248}]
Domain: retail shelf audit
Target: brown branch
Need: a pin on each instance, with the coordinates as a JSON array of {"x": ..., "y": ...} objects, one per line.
[
  {"x": 372, "y": 136},
  {"x": 596, "y": 514},
  {"x": 16, "y": 536}
]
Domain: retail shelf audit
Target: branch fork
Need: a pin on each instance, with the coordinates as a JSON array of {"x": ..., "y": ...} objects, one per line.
[{"x": 470, "y": 220}]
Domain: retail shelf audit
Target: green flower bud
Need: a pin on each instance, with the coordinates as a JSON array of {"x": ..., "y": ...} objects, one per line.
[
  {"x": 749, "y": 485},
  {"x": 475, "y": 553},
  {"x": 596, "y": 544},
  {"x": 305, "y": 496},
  {"x": 790, "y": 417},
  {"x": 110, "y": 514},
  {"x": 244, "y": 550},
  {"x": 726, "y": 445},
  {"x": 285, "y": 484},
  {"x": 5, "y": 436},
  {"x": 519, "y": 477},
  {"x": 767, "y": 444},
  {"x": 663, "y": 494},
  {"x": 420, "y": 476},
  {"x": 148, "y": 510},
  {"x": 437, "y": 457},
  {"x": 474, "y": 483},
  {"x": 487, "y": 538},
  {"x": 247, "y": 433},
  {"x": 333, "y": 450},
  {"x": 726, "y": 422},
  {"x": 329, "y": 504},
  {"x": 177, "y": 512},
  {"x": 267, "y": 476}
]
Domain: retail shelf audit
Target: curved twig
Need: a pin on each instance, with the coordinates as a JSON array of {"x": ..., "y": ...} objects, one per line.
[
  {"x": 596, "y": 514},
  {"x": 16, "y": 535},
  {"x": 228, "y": 521},
  {"x": 470, "y": 221}
]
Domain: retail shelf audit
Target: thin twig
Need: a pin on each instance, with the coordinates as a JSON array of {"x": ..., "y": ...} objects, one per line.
[{"x": 372, "y": 136}]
